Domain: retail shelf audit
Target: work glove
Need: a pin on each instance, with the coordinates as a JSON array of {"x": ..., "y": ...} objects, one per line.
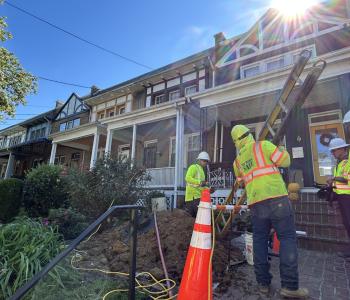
[
  {"x": 212, "y": 190},
  {"x": 204, "y": 183}
]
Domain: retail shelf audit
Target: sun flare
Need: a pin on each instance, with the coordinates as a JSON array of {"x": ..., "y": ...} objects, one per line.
[{"x": 292, "y": 8}]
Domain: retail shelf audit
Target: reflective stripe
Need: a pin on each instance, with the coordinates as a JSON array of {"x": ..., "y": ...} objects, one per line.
[
  {"x": 193, "y": 185},
  {"x": 259, "y": 157},
  {"x": 201, "y": 240},
  {"x": 342, "y": 186},
  {"x": 203, "y": 216},
  {"x": 204, "y": 204},
  {"x": 202, "y": 228},
  {"x": 276, "y": 155},
  {"x": 268, "y": 170}
]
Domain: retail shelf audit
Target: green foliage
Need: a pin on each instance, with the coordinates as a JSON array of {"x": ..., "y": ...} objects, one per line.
[
  {"x": 25, "y": 247},
  {"x": 15, "y": 82},
  {"x": 10, "y": 198},
  {"x": 69, "y": 222},
  {"x": 43, "y": 190},
  {"x": 112, "y": 180}
]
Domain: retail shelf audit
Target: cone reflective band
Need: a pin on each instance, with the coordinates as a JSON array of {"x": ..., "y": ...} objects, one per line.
[
  {"x": 196, "y": 281},
  {"x": 235, "y": 208}
]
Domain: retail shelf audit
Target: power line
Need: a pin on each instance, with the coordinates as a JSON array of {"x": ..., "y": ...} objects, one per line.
[
  {"x": 78, "y": 37},
  {"x": 62, "y": 82}
]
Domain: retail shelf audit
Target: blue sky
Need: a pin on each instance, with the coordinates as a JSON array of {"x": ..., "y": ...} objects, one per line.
[{"x": 154, "y": 32}]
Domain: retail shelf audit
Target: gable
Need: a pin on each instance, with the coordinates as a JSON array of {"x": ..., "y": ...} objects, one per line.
[
  {"x": 273, "y": 31},
  {"x": 73, "y": 105}
]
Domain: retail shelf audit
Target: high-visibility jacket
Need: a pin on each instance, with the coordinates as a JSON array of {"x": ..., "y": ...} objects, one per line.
[
  {"x": 194, "y": 176},
  {"x": 257, "y": 166},
  {"x": 342, "y": 169}
]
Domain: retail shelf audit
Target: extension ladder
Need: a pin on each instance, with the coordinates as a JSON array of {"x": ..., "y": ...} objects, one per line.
[{"x": 274, "y": 131}]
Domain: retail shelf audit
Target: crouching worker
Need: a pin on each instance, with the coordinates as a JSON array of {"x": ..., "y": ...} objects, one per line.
[
  {"x": 195, "y": 183},
  {"x": 257, "y": 165}
]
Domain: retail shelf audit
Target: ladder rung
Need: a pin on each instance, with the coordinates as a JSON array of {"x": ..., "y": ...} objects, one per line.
[
  {"x": 273, "y": 133},
  {"x": 284, "y": 108}
]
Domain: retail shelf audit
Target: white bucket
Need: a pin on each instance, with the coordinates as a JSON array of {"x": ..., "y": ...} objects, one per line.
[{"x": 248, "y": 237}]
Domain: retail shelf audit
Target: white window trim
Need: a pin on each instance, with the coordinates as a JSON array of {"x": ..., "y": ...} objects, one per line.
[
  {"x": 147, "y": 143},
  {"x": 158, "y": 96},
  {"x": 173, "y": 92},
  {"x": 288, "y": 61},
  {"x": 189, "y": 87},
  {"x": 187, "y": 136},
  {"x": 323, "y": 114}
]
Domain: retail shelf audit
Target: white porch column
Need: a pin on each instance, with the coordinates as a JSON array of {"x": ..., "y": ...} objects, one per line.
[
  {"x": 53, "y": 153},
  {"x": 133, "y": 146},
  {"x": 109, "y": 140},
  {"x": 177, "y": 147},
  {"x": 181, "y": 147},
  {"x": 221, "y": 141},
  {"x": 215, "y": 142},
  {"x": 94, "y": 149},
  {"x": 9, "y": 167}
]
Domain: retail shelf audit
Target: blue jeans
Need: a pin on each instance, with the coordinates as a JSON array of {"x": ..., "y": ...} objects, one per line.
[{"x": 275, "y": 213}]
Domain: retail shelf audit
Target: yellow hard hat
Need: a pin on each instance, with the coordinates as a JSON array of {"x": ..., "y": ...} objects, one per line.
[{"x": 238, "y": 131}]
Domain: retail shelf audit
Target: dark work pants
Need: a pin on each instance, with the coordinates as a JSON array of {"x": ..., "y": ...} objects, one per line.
[
  {"x": 275, "y": 213},
  {"x": 192, "y": 207},
  {"x": 344, "y": 206}
]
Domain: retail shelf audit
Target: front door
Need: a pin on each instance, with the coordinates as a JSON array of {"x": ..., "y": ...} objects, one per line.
[{"x": 323, "y": 160}]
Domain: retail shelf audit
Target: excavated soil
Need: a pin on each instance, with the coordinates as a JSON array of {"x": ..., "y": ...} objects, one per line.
[{"x": 109, "y": 249}]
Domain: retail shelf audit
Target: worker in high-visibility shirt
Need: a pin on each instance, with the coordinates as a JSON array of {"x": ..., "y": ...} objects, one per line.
[
  {"x": 257, "y": 166},
  {"x": 195, "y": 183},
  {"x": 340, "y": 183}
]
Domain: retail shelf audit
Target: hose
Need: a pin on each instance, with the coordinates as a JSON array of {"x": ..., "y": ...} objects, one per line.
[{"x": 161, "y": 255}]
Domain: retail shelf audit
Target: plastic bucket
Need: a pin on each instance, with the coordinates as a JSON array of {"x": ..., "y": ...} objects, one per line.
[{"x": 248, "y": 237}]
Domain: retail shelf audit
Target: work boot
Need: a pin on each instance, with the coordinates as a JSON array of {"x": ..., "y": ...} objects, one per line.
[
  {"x": 295, "y": 294},
  {"x": 264, "y": 289}
]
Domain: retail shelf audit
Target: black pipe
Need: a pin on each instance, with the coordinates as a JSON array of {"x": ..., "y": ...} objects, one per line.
[
  {"x": 24, "y": 289},
  {"x": 133, "y": 241}
]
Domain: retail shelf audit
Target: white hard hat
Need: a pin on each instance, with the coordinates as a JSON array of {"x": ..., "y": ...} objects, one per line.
[
  {"x": 203, "y": 156},
  {"x": 337, "y": 143},
  {"x": 347, "y": 118}
]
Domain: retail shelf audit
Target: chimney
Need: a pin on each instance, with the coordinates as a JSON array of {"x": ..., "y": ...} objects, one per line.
[
  {"x": 219, "y": 37},
  {"x": 59, "y": 103},
  {"x": 94, "y": 90}
]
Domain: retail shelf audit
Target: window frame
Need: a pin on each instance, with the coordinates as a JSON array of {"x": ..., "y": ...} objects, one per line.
[
  {"x": 157, "y": 97},
  {"x": 173, "y": 92},
  {"x": 190, "y": 87}
]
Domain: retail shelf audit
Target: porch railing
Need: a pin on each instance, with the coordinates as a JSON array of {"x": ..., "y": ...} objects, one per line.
[
  {"x": 162, "y": 177},
  {"x": 221, "y": 178}
]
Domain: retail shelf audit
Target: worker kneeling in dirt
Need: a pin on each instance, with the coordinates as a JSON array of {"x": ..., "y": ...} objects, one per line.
[
  {"x": 341, "y": 186},
  {"x": 195, "y": 183},
  {"x": 257, "y": 166}
]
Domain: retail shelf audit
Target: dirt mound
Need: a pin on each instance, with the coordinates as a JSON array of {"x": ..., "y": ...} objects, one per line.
[{"x": 175, "y": 230}]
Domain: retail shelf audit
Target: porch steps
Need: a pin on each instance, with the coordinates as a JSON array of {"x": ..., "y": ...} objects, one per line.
[{"x": 323, "y": 225}]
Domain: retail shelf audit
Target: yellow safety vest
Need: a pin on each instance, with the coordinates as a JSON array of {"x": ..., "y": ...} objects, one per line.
[
  {"x": 342, "y": 169},
  {"x": 194, "y": 176},
  {"x": 257, "y": 166}
]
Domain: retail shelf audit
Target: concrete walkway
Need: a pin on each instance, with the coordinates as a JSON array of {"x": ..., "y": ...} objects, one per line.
[{"x": 325, "y": 275}]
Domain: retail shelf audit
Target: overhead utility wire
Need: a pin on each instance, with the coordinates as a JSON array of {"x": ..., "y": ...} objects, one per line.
[
  {"x": 77, "y": 37},
  {"x": 62, "y": 82}
]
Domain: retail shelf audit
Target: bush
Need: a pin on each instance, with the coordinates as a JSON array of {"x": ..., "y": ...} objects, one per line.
[
  {"x": 69, "y": 222},
  {"x": 112, "y": 180},
  {"x": 43, "y": 190},
  {"x": 25, "y": 247},
  {"x": 10, "y": 198}
]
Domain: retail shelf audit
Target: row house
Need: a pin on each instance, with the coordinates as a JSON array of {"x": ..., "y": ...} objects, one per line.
[
  {"x": 164, "y": 118},
  {"x": 25, "y": 145}
]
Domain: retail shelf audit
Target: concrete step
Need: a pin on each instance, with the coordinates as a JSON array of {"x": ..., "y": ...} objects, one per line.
[{"x": 319, "y": 243}]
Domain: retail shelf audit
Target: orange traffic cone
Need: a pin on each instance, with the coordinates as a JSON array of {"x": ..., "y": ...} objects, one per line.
[
  {"x": 196, "y": 282},
  {"x": 276, "y": 244}
]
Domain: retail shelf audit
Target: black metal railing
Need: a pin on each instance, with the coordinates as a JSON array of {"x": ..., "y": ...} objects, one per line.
[{"x": 133, "y": 239}]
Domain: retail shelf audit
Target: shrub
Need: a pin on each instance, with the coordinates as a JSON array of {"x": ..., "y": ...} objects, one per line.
[
  {"x": 112, "y": 180},
  {"x": 43, "y": 190},
  {"x": 25, "y": 247},
  {"x": 69, "y": 222},
  {"x": 10, "y": 198}
]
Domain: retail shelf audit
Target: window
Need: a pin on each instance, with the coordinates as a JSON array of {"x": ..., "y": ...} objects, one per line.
[
  {"x": 190, "y": 90},
  {"x": 159, "y": 99},
  {"x": 76, "y": 122},
  {"x": 15, "y": 140},
  {"x": 101, "y": 115},
  {"x": 124, "y": 151},
  {"x": 59, "y": 160},
  {"x": 174, "y": 95},
  {"x": 172, "y": 151},
  {"x": 62, "y": 126},
  {"x": 75, "y": 156},
  {"x": 192, "y": 147},
  {"x": 150, "y": 154},
  {"x": 69, "y": 125},
  {"x": 251, "y": 71},
  {"x": 122, "y": 110},
  {"x": 275, "y": 64},
  {"x": 111, "y": 113}
]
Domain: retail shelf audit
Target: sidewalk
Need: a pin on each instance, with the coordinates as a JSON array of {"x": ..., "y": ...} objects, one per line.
[{"x": 325, "y": 275}]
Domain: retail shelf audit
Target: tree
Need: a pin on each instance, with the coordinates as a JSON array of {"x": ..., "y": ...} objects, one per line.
[{"x": 15, "y": 82}]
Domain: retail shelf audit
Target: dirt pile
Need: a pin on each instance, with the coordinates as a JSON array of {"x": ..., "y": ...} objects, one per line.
[{"x": 111, "y": 248}]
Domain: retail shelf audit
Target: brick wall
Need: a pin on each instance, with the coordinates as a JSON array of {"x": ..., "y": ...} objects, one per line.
[{"x": 323, "y": 225}]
